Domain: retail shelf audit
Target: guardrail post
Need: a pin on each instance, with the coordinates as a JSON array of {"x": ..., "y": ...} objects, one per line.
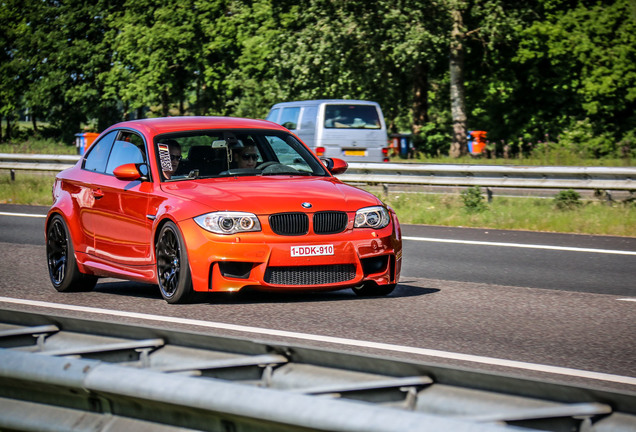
[{"x": 12, "y": 175}]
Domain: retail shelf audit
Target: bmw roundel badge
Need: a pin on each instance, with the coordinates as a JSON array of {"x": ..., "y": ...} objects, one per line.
[{"x": 306, "y": 205}]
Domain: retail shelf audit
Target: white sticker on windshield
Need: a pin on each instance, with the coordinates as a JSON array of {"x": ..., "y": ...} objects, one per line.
[{"x": 164, "y": 157}]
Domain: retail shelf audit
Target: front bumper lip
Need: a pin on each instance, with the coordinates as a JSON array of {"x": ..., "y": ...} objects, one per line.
[{"x": 207, "y": 251}]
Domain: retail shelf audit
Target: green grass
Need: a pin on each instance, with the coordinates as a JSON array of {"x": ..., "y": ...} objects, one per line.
[
  {"x": 38, "y": 146},
  {"x": 534, "y": 214},
  {"x": 30, "y": 189}
]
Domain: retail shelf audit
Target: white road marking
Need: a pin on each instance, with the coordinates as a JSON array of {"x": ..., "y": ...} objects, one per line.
[
  {"x": 521, "y": 245},
  {"x": 627, "y": 299},
  {"x": 334, "y": 340},
  {"x": 439, "y": 240},
  {"x": 22, "y": 215}
]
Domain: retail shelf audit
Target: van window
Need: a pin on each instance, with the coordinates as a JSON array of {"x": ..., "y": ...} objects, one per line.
[
  {"x": 273, "y": 115},
  {"x": 289, "y": 117},
  {"x": 351, "y": 117},
  {"x": 308, "y": 120}
]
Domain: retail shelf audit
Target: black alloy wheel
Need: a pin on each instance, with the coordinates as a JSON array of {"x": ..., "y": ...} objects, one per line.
[
  {"x": 173, "y": 269},
  {"x": 60, "y": 255}
]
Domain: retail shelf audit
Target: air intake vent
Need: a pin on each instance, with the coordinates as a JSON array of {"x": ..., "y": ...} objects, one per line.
[
  {"x": 289, "y": 223},
  {"x": 330, "y": 222},
  {"x": 310, "y": 275}
]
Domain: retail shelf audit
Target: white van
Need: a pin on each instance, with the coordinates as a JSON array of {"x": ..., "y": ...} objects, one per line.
[{"x": 352, "y": 130}]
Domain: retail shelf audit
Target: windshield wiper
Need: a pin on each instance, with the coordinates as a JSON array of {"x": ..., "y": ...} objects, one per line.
[
  {"x": 239, "y": 172},
  {"x": 285, "y": 173}
]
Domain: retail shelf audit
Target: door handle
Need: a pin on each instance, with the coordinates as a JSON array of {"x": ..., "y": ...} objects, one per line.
[{"x": 97, "y": 193}]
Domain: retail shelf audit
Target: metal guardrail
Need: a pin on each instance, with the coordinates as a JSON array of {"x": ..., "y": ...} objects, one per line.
[
  {"x": 36, "y": 162},
  {"x": 60, "y": 373},
  {"x": 508, "y": 176},
  {"x": 536, "y": 177}
]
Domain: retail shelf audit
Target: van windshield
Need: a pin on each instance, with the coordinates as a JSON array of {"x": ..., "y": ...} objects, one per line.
[{"x": 352, "y": 117}]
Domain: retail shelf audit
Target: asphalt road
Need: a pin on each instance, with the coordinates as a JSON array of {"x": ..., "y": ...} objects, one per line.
[{"x": 515, "y": 302}]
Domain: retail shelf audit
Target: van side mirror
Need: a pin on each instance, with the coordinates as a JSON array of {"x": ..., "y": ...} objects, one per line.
[
  {"x": 131, "y": 172},
  {"x": 335, "y": 165}
]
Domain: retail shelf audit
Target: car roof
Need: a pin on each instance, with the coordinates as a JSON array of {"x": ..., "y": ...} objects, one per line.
[
  {"x": 161, "y": 125},
  {"x": 326, "y": 101}
]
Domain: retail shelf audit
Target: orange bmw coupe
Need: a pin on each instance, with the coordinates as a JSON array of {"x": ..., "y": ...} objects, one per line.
[{"x": 211, "y": 204}]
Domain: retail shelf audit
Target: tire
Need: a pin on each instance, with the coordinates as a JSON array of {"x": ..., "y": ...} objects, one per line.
[
  {"x": 60, "y": 256},
  {"x": 173, "y": 269},
  {"x": 372, "y": 289}
]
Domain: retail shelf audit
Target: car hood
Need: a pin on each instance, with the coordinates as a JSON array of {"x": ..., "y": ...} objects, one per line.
[{"x": 267, "y": 195}]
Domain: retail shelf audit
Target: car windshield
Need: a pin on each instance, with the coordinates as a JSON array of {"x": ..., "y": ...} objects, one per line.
[{"x": 222, "y": 153}]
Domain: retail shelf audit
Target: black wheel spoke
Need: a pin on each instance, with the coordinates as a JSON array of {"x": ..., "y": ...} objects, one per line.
[{"x": 58, "y": 268}]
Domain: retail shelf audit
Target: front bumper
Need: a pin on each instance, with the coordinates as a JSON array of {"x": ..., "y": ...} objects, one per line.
[{"x": 263, "y": 261}]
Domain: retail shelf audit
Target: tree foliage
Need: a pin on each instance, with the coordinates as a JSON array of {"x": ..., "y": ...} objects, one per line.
[
  {"x": 551, "y": 71},
  {"x": 586, "y": 57}
]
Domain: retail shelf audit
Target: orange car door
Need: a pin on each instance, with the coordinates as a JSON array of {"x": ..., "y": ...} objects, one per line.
[{"x": 120, "y": 225}]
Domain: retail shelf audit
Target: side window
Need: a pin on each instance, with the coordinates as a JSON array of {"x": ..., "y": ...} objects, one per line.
[
  {"x": 133, "y": 138},
  {"x": 308, "y": 119},
  {"x": 124, "y": 152},
  {"x": 98, "y": 153},
  {"x": 273, "y": 115},
  {"x": 289, "y": 117}
]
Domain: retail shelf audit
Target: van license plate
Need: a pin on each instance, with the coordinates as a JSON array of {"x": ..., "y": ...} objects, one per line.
[
  {"x": 355, "y": 152},
  {"x": 317, "y": 250}
]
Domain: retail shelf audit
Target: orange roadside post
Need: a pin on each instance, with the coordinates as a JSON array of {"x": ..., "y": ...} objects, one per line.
[
  {"x": 478, "y": 143},
  {"x": 84, "y": 140}
]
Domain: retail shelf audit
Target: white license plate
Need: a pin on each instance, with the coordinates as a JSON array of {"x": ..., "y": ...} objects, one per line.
[{"x": 316, "y": 250}]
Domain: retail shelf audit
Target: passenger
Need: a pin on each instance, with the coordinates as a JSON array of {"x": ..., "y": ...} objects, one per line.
[{"x": 245, "y": 156}]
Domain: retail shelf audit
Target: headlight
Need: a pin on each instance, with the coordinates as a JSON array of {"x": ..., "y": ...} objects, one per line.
[
  {"x": 228, "y": 222},
  {"x": 372, "y": 217}
]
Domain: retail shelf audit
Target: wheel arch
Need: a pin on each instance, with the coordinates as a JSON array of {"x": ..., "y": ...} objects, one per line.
[
  {"x": 183, "y": 292},
  {"x": 157, "y": 230},
  {"x": 155, "y": 237},
  {"x": 73, "y": 231}
]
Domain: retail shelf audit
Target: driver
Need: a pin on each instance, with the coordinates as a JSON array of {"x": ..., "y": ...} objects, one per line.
[
  {"x": 175, "y": 157},
  {"x": 245, "y": 156}
]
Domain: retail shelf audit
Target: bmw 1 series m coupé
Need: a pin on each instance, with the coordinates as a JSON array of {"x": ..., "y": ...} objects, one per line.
[{"x": 215, "y": 204}]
